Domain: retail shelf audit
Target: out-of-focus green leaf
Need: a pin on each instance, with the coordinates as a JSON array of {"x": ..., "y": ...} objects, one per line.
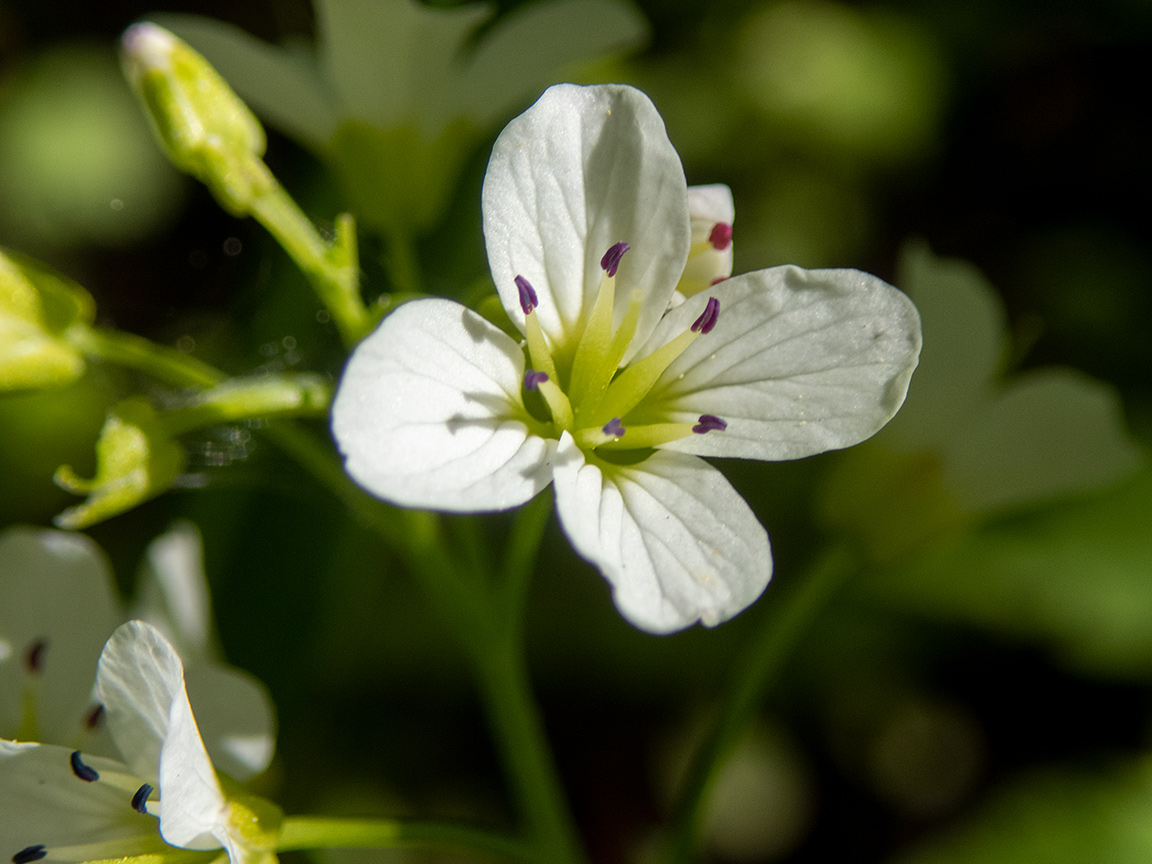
[
  {"x": 1056, "y": 818},
  {"x": 1077, "y": 578},
  {"x": 136, "y": 459},
  {"x": 968, "y": 444},
  {"x": 397, "y": 92}
]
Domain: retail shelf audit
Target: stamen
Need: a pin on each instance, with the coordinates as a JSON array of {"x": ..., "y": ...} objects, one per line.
[
  {"x": 720, "y": 236},
  {"x": 34, "y": 656},
  {"x": 140, "y": 799},
  {"x": 528, "y": 300},
  {"x": 709, "y": 423},
  {"x": 639, "y": 377},
  {"x": 708, "y": 317},
  {"x": 29, "y": 854},
  {"x": 611, "y": 259},
  {"x": 85, "y": 772},
  {"x": 533, "y": 379},
  {"x": 614, "y": 428}
]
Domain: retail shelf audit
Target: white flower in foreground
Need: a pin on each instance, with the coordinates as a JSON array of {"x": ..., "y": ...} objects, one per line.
[
  {"x": 613, "y": 397},
  {"x": 61, "y": 805}
]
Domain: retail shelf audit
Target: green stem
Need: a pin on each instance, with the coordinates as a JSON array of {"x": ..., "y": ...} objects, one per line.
[
  {"x": 402, "y": 263},
  {"x": 771, "y": 645},
  {"x": 333, "y": 270},
  {"x": 304, "y": 395},
  {"x": 135, "y": 352},
  {"x": 312, "y": 832}
]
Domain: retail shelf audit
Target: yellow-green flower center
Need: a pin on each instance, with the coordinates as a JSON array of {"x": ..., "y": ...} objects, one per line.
[{"x": 593, "y": 397}]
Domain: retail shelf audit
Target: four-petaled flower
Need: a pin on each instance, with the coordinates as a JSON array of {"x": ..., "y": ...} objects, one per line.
[
  {"x": 62, "y": 805},
  {"x": 616, "y": 391}
]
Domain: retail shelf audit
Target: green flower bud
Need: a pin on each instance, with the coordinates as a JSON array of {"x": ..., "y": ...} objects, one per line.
[
  {"x": 203, "y": 126},
  {"x": 136, "y": 459},
  {"x": 36, "y": 308}
]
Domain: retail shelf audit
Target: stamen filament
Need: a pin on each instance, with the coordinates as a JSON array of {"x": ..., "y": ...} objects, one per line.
[
  {"x": 587, "y": 365},
  {"x": 537, "y": 347},
  {"x": 634, "y": 382},
  {"x": 557, "y": 403},
  {"x": 650, "y": 435}
]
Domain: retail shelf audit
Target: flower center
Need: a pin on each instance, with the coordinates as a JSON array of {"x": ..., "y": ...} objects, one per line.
[{"x": 594, "y": 399}]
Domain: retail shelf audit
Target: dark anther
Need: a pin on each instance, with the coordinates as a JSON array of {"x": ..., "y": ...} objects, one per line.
[
  {"x": 85, "y": 772},
  {"x": 611, "y": 260},
  {"x": 709, "y": 423},
  {"x": 34, "y": 656},
  {"x": 720, "y": 236},
  {"x": 533, "y": 379},
  {"x": 94, "y": 718},
  {"x": 29, "y": 854},
  {"x": 140, "y": 799},
  {"x": 614, "y": 428},
  {"x": 528, "y": 299},
  {"x": 708, "y": 317}
]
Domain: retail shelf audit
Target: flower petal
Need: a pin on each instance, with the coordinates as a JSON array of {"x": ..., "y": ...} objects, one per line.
[
  {"x": 141, "y": 683},
  {"x": 583, "y": 169},
  {"x": 44, "y": 803},
  {"x": 57, "y": 590},
  {"x": 429, "y": 413},
  {"x": 801, "y": 361},
  {"x": 236, "y": 718},
  {"x": 675, "y": 540}
]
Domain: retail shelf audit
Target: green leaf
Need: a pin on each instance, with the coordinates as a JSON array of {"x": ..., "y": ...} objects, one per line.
[
  {"x": 136, "y": 459},
  {"x": 1076, "y": 578},
  {"x": 1056, "y": 818}
]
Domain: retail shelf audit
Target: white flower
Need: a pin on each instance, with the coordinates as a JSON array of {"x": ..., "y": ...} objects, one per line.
[
  {"x": 62, "y": 805},
  {"x": 60, "y": 605},
  {"x": 586, "y": 221}
]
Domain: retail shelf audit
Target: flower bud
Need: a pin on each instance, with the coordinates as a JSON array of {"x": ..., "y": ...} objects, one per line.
[
  {"x": 36, "y": 307},
  {"x": 203, "y": 126}
]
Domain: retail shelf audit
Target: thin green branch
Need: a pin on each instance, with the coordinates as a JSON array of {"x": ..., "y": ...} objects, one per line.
[{"x": 761, "y": 663}]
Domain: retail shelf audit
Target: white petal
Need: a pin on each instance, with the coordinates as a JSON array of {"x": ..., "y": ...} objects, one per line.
[
  {"x": 175, "y": 597},
  {"x": 582, "y": 169},
  {"x": 42, "y": 802},
  {"x": 141, "y": 683},
  {"x": 799, "y": 362},
  {"x": 428, "y": 413},
  {"x": 57, "y": 589},
  {"x": 675, "y": 540},
  {"x": 236, "y": 718},
  {"x": 708, "y": 205}
]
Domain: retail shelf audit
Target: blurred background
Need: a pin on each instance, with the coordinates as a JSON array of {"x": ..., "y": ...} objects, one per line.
[{"x": 980, "y": 689}]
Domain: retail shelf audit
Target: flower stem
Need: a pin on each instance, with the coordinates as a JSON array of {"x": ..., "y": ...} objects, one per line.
[
  {"x": 135, "y": 352},
  {"x": 333, "y": 270},
  {"x": 770, "y": 646},
  {"x": 315, "y": 832}
]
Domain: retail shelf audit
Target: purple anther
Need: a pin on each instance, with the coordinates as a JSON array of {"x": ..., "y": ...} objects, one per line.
[
  {"x": 527, "y": 294},
  {"x": 720, "y": 236},
  {"x": 34, "y": 656},
  {"x": 29, "y": 854},
  {"x": 708, "y": 317},
  {"x": 614, "y": 428},
  {"x": 533, "y": 379},
  {"x": 85, "y": 772},
  {"x": 709, "y": 423},
  {"x": 611, "y": 259},
  {"x": 140, "y": 799}
]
